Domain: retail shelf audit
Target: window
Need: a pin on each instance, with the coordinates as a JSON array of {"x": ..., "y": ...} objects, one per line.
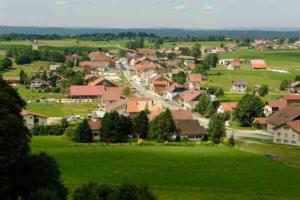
[
  {"x": 279, "y": 134},
  {"x": 286, "y": 141},
  {"x": 293, "y": 142},
  {"x": 286, "y": 135},
  {"x": 278, "y": 140}
]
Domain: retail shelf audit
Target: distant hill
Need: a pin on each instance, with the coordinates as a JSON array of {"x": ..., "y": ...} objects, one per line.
[{"x": 234, "y": 34}]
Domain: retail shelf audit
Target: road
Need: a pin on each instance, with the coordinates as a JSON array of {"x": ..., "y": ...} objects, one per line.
[{"x": 175, "y": 106}]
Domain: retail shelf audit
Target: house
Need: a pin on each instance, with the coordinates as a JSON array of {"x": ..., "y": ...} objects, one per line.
[
  {"x": 98, "y": 56},
  {"x": 32, "y": 119},
  {"x": 53, "y": 67},
  {"x": 39, "y": 84},
  {"x": 239, "y": 85},
  {"x": 12, "y": 80},
  {"x": 187, "y": 60},
  {"x": 95, "y": 125},
  {"x": 273, "y": 106},
  {"x": 189, "y": 129},
  {"x": 119, "y": 106},
  {"x": 281, "y": 117},
  {"x": 159, "y": 84},
  {"x": 260, "y": 123},
  {"x": 55, "y": 78},
  {"x": 234, "y": 65},
  {"x": 226, "y": 107},
  {"x": 194, "y": 81},
  {"x": 144, "y": 66},
  {"x": 111, "y": 95},
  {"x": 258, "y": 65},
  {"x": 102, "y": 81},
  {"x": 80, "y": 93},
  {"x": 289, "y": 133},
  {"x": 291, "y": 100},
  {"x": 89, "y": 78},
  {"x": 294, "y": 88},
  {"x": 189, "y": 98},
  {"x": 94, "y": 67},
  {"x": 173, "y": 91},
  {"x": 138, "y": 104},
  {"x": 225, "y": 61}
]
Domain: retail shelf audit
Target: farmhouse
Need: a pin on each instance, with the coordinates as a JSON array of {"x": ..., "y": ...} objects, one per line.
[
  {"x": 138, "y": 104},
  {"x": 32, "y": 119},
  {"x": 182, "y": 114},
  {"x": 159, "y": 84},
  {"x": 173, "y": 91},
  {"x": 227, "y": 107},
  {"x": 111, "y": 95},
  {"x": 291, "y": 100},
  {"x": 194, "y": 81},
  {"x": 239, "y": 85},
  {"x": 260, "y": 123},
  {"x": 294, "y": 88},
  {"x": 273, "y": 106},
  {"x": 234, "y": 65},
  {"x": 12, "y": 80},
  {"x": 189, "y": 98},
  {"x": 86, "y": 93},
  {"x": 189, "y": 129},
  {"x": 119, "y": 106},
  {"x": 257, "y": 64},
  {"x": 39, "y": 84}
]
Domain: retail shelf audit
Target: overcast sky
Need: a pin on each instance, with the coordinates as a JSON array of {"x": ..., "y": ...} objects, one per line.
[{"x": 197, "y": 14}]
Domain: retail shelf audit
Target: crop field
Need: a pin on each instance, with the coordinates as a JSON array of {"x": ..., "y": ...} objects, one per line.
[{"x": 176, "y": 172}]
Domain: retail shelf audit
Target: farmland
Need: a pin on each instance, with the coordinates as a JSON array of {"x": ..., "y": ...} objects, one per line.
[{"x": 178, "y": 172}]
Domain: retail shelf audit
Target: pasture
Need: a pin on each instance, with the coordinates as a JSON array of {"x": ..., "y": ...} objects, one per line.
[{"x": 175, "y": 172}]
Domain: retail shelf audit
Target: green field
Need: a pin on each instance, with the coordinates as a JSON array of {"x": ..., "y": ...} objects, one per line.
[
  {"x": 282, "y": 59},
  {"x": 62, "y": 110},
  {"x": 27, "y": 68},
  {"x": 176, "y": 172}
]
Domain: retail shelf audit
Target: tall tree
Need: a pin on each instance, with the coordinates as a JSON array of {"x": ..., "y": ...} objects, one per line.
[
  {"x": 216, "y": 128},
  {"x": 14, "y": 137},
  {"x": 212, "y": 59},
  {"x": 202, "y": 105},
  {"x": 6, "y": 63},
  {"x": 179, "y": 77},
  {"x": 141, "y": 125},
  {"x": 23, "y": 77},
  {"x": 83, "y": 132},
  {"x": 248, "y": 108}
]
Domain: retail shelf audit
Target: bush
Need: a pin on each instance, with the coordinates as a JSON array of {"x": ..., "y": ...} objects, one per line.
[
  {"x": 83, "y": 132},
  {"x": 23, "y": 59},
  {"x": 209, "y": 143},
  {"x": 140, "y": 142},
  {"x": 48, "y": 130},
  {"x": 6, "y": 63},
  {"x": 231, "y": 141},
  {"x": 70, "y": 132}
]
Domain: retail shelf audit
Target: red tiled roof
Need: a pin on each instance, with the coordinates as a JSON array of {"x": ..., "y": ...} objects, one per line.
[
  {"x": 188, "y": 96},
  {"x": 291, "y": 97},
  {"x": 181, "y": 114},
  {"x": 295, "y": 125},
  {"x": 260, "y": 120},
  {"x": 90, "y": 64},
  {"x": 99, "y": 80},
  {"x": 26, "y": 112},
  {"x": 235, "y": 63},
  {"x": 99, "y": 56},
  {"x": 276, "y": 104},
  {"x": 115, "y": 105},
  {"x": 228, "y": 106},
  {"x": 84, "y": 90},
  {"x": 112, "y": 94},
  {"x": 195, "y": 77},
  {"x": 258, "y": 64},
  {"x": 189, "y": 127}
]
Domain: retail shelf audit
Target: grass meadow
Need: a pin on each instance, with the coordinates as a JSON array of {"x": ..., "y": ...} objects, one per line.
[{"x": 175, "y": 172}]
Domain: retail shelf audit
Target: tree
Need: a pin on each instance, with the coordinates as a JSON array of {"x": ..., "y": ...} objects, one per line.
[
  {"x": 213, "y": 107},
  {"x": 23, "y": 59},
  {"x": 215, "y": 91},
  {"x": 297, "y": 78},
  {"x": 196, "y": 52},
  {"x": 14, "y": 137},
  {"x": 115, "y": 128},
  {"x": 212, "y": 59},
  {"x": 216, "y": 128},
  {"x": 23, "y": 77},
  {"x": 83, "y": 132},
  {"x": 163, "y": 126},
  {"x": 141, "y": 125},
  {"x": 6, "y": 63},
  {"x": 202, "y": 104},
  {"x": 263, "y": 90},
  {"x": 179, "y": 77},
  {"x": 284, "y": 85},
  {"x": 202, "y": 68},
  {"x": 248, "y": 108},
  {"x": 38, "y": 176}
]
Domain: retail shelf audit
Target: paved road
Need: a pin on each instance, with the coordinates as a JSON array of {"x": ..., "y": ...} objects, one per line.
[{"x": 203, "y": 121}]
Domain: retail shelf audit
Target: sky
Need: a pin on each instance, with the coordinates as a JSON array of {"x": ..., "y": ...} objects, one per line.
[{"x": 189, "y": 14}]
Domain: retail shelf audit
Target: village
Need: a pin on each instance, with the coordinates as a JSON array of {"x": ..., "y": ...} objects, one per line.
[{"x": 147, "y": 79}]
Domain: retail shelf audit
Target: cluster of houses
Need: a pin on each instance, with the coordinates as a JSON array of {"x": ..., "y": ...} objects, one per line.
[
  {"x": 235, "y": 64},
  {"x": 264, "y": 45}
]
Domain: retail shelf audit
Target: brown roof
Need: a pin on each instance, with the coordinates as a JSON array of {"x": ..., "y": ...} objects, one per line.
[
  {"x": 276, "y": 104},
  {"x": 295, "y": 125},
  {"x": 260, "y": 120},
  {"x": 258, "y": 64},
  {"x": 291, "y": 97},
  {"x": 146, "y": 66},
  {"x": 115, "y": 105},
  {"x": 11, "y": 78},
  {"x": 235, "y": 63},
  {"x": 181, "y": 114},
  {"x": 189, "y": 96},
  {"x": 99, "y": 56},
  {"x": 195, "y": 77},
  {"x": 92, "y": 65},
  {"x": 85, "y": 90},
  {"x": 189, "y": 127},
  {"x": 95, "y": 125},
  {"x": 239, "y": 82},
  {"x": 26, "y": 112},
  {"x": 283, "y": 116},
  {"x": 228, "y": 106},
  {"x": 99, "y": 80},
  {"x": 112, "y": 94}
]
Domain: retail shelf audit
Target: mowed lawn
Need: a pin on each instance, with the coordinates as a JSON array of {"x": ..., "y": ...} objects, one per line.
[
  {"x": 61, "y": 109},
  {"x": 198, "y": 172}
]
